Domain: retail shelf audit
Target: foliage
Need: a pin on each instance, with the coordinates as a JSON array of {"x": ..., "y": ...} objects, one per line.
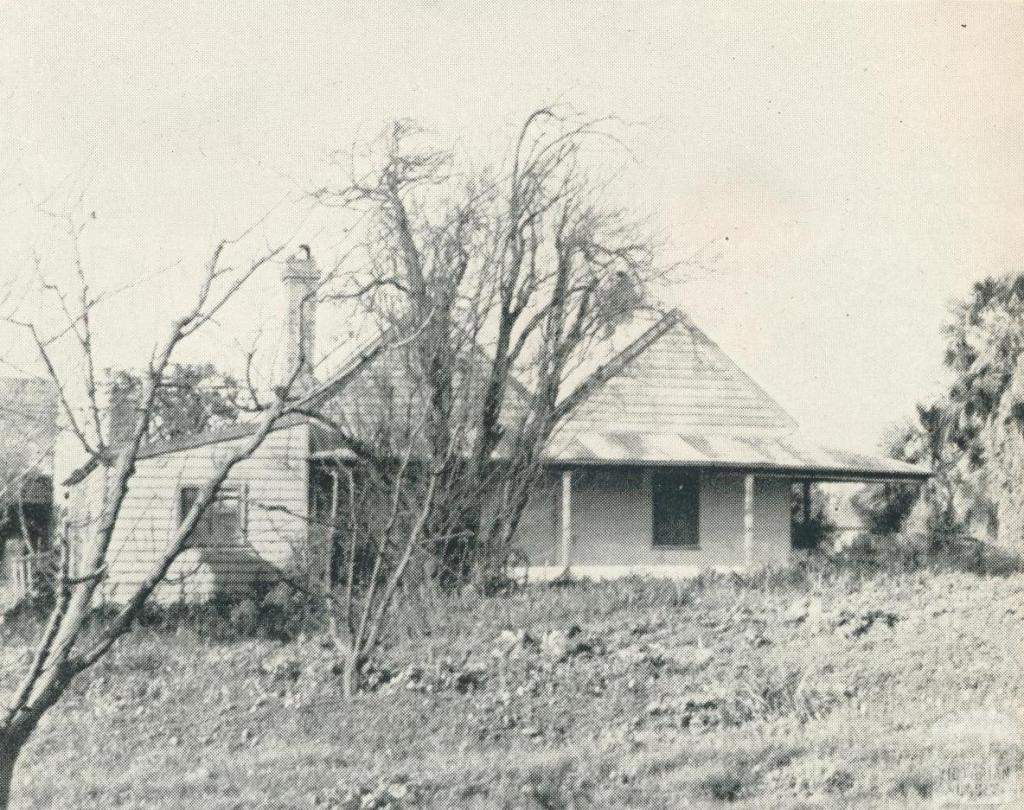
[
  {"x": 885, "y": 508},
  {"x": 908, "y": 552},
  {"x": 964, "y": 434},
  {"x": 195, "y": 397},
  {"x": 28, "y": 425},
  {"x": 812, "y": 530},
  {"x": 985, "y": 338}
]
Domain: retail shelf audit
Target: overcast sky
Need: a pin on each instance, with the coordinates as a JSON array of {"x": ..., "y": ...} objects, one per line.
[{"x": 864, "y": 161}]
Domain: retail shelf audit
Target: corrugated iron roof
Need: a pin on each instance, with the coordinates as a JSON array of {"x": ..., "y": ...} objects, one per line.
[
  {"x": 791, "y": 454},
  {"x": 225, "y": 434}
]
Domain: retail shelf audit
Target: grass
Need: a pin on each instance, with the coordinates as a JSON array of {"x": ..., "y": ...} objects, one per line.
[{"x": 789, "y": 690}]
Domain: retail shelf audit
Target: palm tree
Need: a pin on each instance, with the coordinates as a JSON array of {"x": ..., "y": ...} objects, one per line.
[{"x": 984, "y": 414}]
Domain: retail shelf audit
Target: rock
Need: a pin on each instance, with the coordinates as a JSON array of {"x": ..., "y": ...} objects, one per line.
[
  {"x": 804, "y": 610},
  {"x": 756, "y": 638},
  {"x": 282, "y": 667},
  {"x": 654, "y": 708},
  {"x": 398, "y": 791},
  {"x": 508, "y": 639},
  {"x": 512, "y": 642},
  {"x": 560, "y": 645},
  {"x": 859, "y": 625},
  {"x": 796, "y": 613},
  {"x": 554, "y": 644}
]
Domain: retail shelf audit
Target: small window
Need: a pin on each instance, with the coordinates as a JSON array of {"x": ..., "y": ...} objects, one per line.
[
  {"x": 224, "y": 521},
  {"x": 676, "y": 497}
]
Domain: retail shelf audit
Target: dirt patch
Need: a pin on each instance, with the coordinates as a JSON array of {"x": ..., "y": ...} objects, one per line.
[{"x": 872, "y": 692}]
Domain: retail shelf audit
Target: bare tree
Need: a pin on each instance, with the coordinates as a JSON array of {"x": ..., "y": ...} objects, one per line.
[
  {"x": 491, "y": 290},
  {"x": 18, "y": 470},
  {"x": 27, "y": 428},
  {"x": 492, "y": 286},
  {"x": 379, "y": 507},
  {"x": 65, "y": 650},
  {"x": 522, "y": 269}
]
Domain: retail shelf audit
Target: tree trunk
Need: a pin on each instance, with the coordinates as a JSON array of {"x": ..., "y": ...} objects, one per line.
[
  {"x": 1009, "y": 454},
  {"x": 349, "y": 677},
  {"x": 10, "y": 747},
  {"x": 1010, "y": 517}
]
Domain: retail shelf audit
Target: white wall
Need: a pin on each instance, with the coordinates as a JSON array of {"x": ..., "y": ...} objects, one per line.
[
  {"x": 276, "y": 481},
  {"x": 612, "y": 523}
]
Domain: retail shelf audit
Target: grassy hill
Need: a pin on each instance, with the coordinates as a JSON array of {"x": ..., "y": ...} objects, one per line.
[{"x": 788, "y": 691}]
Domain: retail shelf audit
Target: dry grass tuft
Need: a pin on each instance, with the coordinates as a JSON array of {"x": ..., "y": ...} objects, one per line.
[{"x": 799, "y": 688}]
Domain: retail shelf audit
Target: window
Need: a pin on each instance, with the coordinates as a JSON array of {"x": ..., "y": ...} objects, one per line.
[
  {"x": 224, "y": 521},
  {"x": 676, "y": 497}
]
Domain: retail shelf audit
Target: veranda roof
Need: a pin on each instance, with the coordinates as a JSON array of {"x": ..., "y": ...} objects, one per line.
[{"x": 792, "y": 455}]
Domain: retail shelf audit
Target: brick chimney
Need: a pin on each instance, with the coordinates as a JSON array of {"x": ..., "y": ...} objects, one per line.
[
  {"x": 123, "y": 393},
  {"x": 301, "y": 279}
]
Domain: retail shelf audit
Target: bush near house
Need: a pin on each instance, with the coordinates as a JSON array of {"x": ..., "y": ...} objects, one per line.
[{"x": 822, "y": 686}]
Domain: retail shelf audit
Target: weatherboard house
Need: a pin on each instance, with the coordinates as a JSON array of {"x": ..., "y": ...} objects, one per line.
[{"x": 674, "y": 463}]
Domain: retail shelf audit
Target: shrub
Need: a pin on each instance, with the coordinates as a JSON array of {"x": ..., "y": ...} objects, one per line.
[
  {"x": 279, "y": 613},
  {"x": 839, "y": 782},
  {"x": 739, "y": 779},
  {"x": 725, "y": 787},
  {"x": 909, "y": 553},
  {"x": 914, "y": 785},
  {"x": 245, "y": 617}
]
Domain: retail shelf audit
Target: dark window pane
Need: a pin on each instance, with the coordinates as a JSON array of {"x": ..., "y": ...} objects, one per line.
[
  {"x": 676, "y": 497},
  {"x": 221, "y": 525}
]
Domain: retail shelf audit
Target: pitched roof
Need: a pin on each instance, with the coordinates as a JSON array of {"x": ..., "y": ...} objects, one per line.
[
  {"x": 224, "y": 434},
  {"x": 673, "y": 397},
  {"x": 349, "y": 366},
  {"x": 675, "y": 379},
  {"x": 369, "y": 387},
  {"x": 380, "y": 391},
  {"x": 28, "y": 428}
]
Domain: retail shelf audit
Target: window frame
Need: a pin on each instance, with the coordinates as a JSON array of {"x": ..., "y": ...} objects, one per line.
[
  {"x": 695, "y": 478},
  {"x": 238, "y": 492}
]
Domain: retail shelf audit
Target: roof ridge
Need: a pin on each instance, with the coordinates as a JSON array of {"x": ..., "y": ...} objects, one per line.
[
  {"x": 621, "y": 360},
  {"x": 735, "y": 368},
  {"x": 359, "y": 357},
  {"x": 238, "y": 430}
]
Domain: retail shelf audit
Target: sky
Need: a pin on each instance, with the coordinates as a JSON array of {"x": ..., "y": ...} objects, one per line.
[{"x": 843, "y": 171}]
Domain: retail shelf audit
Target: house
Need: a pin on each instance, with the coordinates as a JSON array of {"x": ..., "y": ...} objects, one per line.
[
  {"x": 673, "y": 462},
  {"x": 28, "y": 428}
]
